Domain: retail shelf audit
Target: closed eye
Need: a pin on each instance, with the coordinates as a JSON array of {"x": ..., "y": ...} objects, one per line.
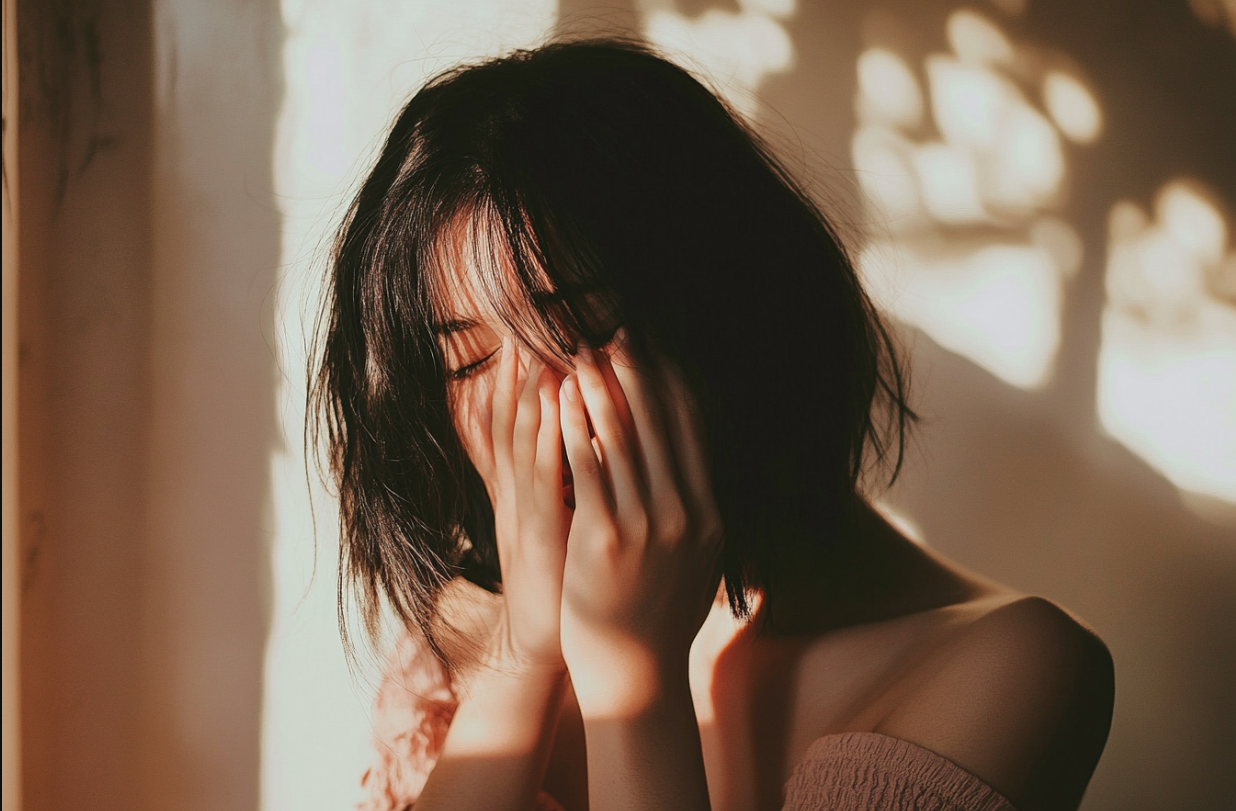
[{"x": 465, "y": 372}]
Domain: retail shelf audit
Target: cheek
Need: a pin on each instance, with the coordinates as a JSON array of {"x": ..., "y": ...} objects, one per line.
[{"x": 473, "y": 421}]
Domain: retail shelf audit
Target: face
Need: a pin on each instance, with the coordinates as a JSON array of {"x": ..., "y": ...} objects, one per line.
[{"x": 470, "y": 334}]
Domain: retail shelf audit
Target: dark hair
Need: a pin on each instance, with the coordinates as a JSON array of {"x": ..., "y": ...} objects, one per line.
[{"x": 604, "y": 174}]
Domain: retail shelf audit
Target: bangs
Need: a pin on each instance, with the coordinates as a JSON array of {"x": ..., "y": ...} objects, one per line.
[{"x": 493, "y": 263}]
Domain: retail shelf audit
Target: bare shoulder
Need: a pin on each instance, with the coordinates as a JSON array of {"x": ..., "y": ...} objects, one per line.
[{"x": 1021, "y": 697}]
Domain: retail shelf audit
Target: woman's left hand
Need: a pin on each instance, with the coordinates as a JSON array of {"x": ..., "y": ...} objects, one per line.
[{"x": 642, "y": 560}]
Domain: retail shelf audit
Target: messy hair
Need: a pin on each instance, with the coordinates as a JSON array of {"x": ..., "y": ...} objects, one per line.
[{"x": 620, "y": 191}]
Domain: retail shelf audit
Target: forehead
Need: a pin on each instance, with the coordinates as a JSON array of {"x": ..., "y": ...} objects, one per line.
[
  {"x": 473, "y": 280},
  {"x": 470, "y": 270}
]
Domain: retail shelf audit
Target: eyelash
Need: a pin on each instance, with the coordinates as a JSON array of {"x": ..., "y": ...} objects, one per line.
[{"x": 465, "y": 372}]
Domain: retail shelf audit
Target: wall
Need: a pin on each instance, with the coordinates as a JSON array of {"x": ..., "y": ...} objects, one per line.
[
  {"x": 181, "y": 165},
  {"x": 84, "y": 195},
  {"x": 149, "y": 247}
]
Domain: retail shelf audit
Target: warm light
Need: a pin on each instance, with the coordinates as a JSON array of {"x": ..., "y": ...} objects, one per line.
[
  {"x": 1158, "y": 270},
  {"x": 1193, "y": 221},
  {"x": 967, "y": 102},
  {"x": 1155, "y": 278},
  {"x": 1169, "y": 397},
  {"x": 950, "y": 183},
  {"x": 889, "y": 93},
  {"x": 346, "y": 69},
  {"x": 977, "y": 40},
  {"x": 734, "y": 51},
  {"x": 903, "y": 523},
  {"x": 1072, "y": 107},
  {"x": 999, "y": 164},
  {"x": 887, "y": 176},
  {"x": 999, "y": 306},
  {"x": 1058, "y": 238},
  {"x": 781, "y": 9},
  {"x": 1027, "y": 169},
  {"x": 976, "y": 109},
  {"x": 1167, "y": 362}
]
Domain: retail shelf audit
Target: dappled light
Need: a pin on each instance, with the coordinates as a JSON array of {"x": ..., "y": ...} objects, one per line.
[
  {"x": 966, "y": 247},
  {"x": 976, "y": 39},
  {"x": 888, "y": 92},
  {"x": 734, "y": 51},
  {"x": 997, "y": 304},
  {"x": 1167, "y": 366},
  {"x": 1072, "y": 107},
  {"x": 1039, "y": 195}
]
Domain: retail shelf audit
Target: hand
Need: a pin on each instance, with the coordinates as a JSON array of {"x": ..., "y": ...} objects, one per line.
[
  {"x": 531, "y": 518},
  {"x": 642, "y": 556}
]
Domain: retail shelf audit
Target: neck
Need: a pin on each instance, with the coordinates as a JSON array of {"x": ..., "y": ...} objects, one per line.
[{"x": 871, "y": 572}]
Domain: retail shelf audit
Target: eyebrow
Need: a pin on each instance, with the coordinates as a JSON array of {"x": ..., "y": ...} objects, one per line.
[{"x": 454, "y": 325}]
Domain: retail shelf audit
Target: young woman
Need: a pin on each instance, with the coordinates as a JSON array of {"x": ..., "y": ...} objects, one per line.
[{"x": 600, "y": 387}]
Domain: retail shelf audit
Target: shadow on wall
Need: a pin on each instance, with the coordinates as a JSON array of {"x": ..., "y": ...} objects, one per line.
[
  {"x": 1021, "y": 483},
  {"x": 150, "y": 245},
  {"x": 1014, "y": 472}
]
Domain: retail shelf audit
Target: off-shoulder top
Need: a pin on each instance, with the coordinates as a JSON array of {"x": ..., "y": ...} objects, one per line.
[{"x": 856, "y": 771}]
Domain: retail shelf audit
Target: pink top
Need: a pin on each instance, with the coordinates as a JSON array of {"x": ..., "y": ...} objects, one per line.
[{"x": 857, "y": 771}]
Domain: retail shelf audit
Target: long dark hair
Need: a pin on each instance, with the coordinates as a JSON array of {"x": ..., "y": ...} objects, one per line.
[{"x": 621, "y": 191}]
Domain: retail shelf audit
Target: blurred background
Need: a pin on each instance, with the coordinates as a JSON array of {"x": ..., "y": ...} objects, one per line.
[{"x": 1040, "y": 193}]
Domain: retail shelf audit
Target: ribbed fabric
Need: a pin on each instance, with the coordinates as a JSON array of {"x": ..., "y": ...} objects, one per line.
[{"x": 865, "y": 771}]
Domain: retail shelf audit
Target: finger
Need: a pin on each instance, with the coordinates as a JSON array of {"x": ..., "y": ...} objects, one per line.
[
  {"x": 524, "y": 438},
  {"x": 612, "y": 383},
  {"x": 591, "y": 493},
  {"x": 686, "y": 434},
  {"x": 503, "y": 408},
  {"x": 548, "y": 473},
  {"x": 656, "y": 455},
  {"x": 617, "y": 446}
]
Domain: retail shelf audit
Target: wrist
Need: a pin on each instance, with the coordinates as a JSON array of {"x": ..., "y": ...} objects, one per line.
[
  {"x": 624, "y": 683},
  {"x": 505, "y": 710},
  {"x": 649, "y": 754}
]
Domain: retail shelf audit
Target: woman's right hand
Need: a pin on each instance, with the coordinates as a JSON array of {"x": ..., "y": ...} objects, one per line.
[
  {"x": 499, "y": 742},
  {"x": 532, "y": 521}
]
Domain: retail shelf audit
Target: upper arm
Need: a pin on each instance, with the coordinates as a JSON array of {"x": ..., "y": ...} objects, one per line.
[{"x": 1022, "y": 699}]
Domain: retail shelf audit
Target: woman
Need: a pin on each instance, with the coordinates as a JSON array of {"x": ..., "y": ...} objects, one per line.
[{"x": 600, "y": 386}]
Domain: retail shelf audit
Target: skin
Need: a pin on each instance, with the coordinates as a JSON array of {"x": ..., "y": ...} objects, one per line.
[{"x": 610, "y": 673}]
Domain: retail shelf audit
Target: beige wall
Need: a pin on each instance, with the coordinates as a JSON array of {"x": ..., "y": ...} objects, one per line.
[
  {"x": 10, "y": 564},
  {"x": 84, "y": 195},
  {"x": 150, "y": 243},
  {"x": 161, "y": 263}
]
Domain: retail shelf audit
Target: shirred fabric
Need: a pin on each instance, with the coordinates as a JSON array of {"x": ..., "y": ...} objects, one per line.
[
  {"x": 858, "y": 771},
  {"x": 411, "y": 714},
  {"x": 864, "y": 771}
]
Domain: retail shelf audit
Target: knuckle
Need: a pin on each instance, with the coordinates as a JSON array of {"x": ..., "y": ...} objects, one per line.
[
  {"x": 710, "y": 529},
  {"x": 639, "y": 527},
  {"x": 673, "y": 522},
  {"x": 609, "y": 540}
]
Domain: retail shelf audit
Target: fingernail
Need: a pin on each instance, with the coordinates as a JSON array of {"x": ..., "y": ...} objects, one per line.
[{"x": 571, "y": 388}]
